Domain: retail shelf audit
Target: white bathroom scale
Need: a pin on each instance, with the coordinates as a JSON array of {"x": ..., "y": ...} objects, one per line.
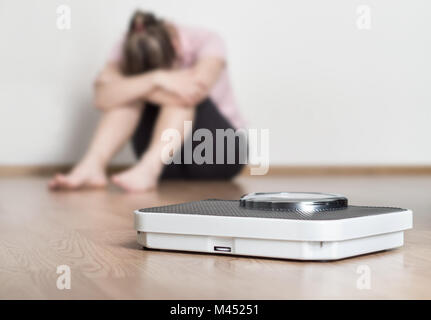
[{"x": 287, "y": 225}]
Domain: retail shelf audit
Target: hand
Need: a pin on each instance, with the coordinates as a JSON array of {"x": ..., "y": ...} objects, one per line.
[{"x": 182, "y": 84}]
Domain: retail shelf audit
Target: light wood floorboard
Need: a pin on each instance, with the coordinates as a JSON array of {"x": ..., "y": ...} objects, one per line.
[{"x": 92, "y": 232}]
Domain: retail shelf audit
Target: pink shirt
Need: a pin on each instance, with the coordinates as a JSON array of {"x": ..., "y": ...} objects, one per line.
[{"x": 197, "y": 43}]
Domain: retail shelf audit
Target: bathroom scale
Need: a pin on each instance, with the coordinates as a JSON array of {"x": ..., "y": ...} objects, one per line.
[{"x": 287, "y": 225}]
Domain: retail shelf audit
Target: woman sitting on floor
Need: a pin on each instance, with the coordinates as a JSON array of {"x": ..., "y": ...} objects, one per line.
[{"x": 159, "y": 76}]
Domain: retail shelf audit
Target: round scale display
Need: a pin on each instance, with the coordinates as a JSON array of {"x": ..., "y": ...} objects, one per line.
[{"x": 308, "y": 202}]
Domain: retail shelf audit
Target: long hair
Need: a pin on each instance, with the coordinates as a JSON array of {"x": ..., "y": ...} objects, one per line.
[{"x": 148, "y": 44}]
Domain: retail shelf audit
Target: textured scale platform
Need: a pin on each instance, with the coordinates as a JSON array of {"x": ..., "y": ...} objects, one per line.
[{"x": 231, "y": 208}]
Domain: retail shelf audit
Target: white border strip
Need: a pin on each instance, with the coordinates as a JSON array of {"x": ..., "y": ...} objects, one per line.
[{"x": 269, "y": 228}]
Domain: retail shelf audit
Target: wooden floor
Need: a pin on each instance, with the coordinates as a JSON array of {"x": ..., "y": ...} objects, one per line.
[{"x": 92, "y": 232}]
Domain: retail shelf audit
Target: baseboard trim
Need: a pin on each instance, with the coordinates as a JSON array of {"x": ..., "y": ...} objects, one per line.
[
  {"x": 47, "y": 170},
  {"x": 350, "y": 170}
]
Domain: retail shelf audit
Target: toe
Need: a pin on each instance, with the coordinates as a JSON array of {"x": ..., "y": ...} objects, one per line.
[
  {"x": 67, "y": 182},
  {"x": 121, "y": 181},
  {"x": 54, "y": 183},
  {"x": 117, "y": 180}
]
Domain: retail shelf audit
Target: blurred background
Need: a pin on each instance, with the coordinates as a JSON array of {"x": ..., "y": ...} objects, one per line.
[{"x": 330, "y": 92}]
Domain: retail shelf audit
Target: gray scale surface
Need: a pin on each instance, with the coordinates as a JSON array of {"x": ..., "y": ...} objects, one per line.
[{"x": 231, "y": 208}]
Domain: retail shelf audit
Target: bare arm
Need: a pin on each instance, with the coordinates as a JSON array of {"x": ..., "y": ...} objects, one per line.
[
  {"x": 162, "y": 97},
  {"x": 190, "y": 86},
  {"x": 112, "y": 89},
  {"x": 207, "y": 71},
  {"x": 179, "y": 87}
]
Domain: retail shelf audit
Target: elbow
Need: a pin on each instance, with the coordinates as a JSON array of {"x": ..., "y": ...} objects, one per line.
[
  {"x": 101, "y": 99},
  {"x": 102, "y": 79},
  {"x": 101, "y": 105},
  {"x": 100, "y": 102},
  {"x": 104, "y": 91}
]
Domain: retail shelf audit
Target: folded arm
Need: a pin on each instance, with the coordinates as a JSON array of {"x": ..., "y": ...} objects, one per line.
[
  {"x": 112, "y": 89},
  {"x": 188, "y": 86},
  {"x": 179, "y": 87}
]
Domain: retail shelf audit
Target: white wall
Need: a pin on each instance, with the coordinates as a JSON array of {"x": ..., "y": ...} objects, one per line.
[{"x": 329, "y": 93}]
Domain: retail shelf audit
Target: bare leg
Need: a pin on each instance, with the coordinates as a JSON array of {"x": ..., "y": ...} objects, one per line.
[
  {"x": 145, "y": 174},
  {"x": 114, "y": 130}
]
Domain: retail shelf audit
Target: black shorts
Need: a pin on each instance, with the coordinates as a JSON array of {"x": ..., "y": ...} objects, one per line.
[{"x": 207, "y": 116}]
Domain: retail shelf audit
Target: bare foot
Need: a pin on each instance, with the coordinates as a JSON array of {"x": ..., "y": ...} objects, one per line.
[
  {"x": 84, "y": 175},
  {"x": 139, "y": 178}
]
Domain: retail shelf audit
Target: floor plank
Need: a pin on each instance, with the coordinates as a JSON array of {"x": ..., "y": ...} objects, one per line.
[{"x": 92, "y": 232}]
